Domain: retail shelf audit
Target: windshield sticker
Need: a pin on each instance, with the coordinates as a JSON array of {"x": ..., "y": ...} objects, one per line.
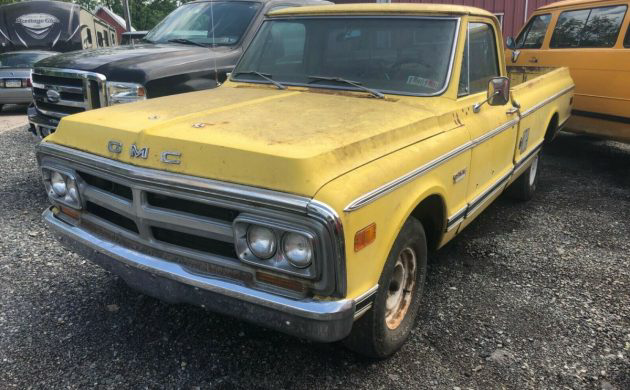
[
  {"x": 422, "y": 82},
  {"x": 37, "y": 25}
]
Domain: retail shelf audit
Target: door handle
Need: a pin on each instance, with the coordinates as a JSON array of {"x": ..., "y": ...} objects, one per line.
[{"x": 533, "y": 60}]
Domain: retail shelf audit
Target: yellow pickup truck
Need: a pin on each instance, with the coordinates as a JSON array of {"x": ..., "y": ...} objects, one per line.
[{"x": 305, "y": 194}]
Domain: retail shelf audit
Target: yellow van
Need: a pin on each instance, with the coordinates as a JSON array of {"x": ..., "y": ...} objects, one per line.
[{"x": 592, "y": 38}]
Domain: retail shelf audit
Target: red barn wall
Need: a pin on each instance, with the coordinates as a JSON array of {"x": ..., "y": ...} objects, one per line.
[
  {"x": 513, "y": 10},
  {"x": 105, "y": 16}
]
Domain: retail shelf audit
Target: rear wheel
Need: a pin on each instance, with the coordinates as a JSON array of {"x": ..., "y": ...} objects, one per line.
[
  {"x": 385, "y": 328},
  {"x": 524, "y": 187},
  {"x": 552, "y": 130}
]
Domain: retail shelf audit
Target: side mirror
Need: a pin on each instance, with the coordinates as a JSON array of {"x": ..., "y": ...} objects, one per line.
[
  {"x": 498, "y": 93},
  {"x": 510, "y": 43}
]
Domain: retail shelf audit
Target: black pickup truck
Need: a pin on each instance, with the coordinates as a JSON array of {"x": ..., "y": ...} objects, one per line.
[{"x": 193, "y": 48}]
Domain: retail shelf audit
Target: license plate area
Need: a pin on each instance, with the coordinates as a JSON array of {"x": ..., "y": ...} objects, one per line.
[{"x": 13, "y": 83}]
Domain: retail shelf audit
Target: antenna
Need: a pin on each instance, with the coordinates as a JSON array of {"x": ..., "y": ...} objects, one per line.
[{"x": 216, "y": 72}]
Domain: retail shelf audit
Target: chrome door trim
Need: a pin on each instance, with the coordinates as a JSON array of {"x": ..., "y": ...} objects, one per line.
[
  {"x": 546, "y": 101},
  {"x": 495, "y": 132},
  {"x": 482, "y": 198},
  {"x": 466, "y": 211},
  {"x": 394, "y": 184},
  {"x": 454, "y": 220},
  {"x": 386, "y": 188}
]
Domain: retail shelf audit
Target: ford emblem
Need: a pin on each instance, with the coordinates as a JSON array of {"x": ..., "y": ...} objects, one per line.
[{"x": 53, "y": 96}]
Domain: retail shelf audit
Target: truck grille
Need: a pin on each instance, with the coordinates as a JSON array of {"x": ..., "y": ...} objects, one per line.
[
  {"x": 61, "y": 92},
  {"x": 189, "y": 220},
  {"x": 157, "y": 219}
]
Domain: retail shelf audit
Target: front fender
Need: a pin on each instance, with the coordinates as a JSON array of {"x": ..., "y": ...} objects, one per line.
[{"x": 390, "y": 210}]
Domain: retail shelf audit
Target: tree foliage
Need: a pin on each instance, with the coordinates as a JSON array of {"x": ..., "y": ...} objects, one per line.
[{"x": 145, "y": 14}]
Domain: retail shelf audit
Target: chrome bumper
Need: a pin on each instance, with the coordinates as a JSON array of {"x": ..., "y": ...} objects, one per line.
[
  {"x": 323, "y": 321},
  {"x": 15, "y": 95}
]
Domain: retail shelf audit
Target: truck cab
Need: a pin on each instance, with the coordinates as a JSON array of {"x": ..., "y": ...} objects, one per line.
[{"x": 192, "y": 49}]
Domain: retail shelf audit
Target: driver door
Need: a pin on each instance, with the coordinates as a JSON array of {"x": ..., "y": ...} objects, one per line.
[{"x": 492, "y": 129}]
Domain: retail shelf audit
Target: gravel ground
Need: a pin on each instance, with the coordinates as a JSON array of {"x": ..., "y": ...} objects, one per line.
[{"x": 531, "y": 295}]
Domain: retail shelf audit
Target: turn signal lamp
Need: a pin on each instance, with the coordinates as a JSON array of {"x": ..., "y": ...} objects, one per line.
[{"x": 364, "y": 237}]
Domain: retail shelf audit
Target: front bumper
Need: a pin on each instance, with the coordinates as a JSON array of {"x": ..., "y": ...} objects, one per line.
[
  {"x": 323, "y": 321},
  {"x": 41, "y": 126},
  {"x": 16, "y": 95}
]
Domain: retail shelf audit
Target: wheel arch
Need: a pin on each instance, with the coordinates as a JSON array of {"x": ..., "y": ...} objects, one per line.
[
  {"x": 431, "y": 212},
  {"x": 552, "y": 126}
]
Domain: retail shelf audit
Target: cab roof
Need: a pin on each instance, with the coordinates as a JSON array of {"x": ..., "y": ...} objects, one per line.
[
  {"x": 570, "y": 3},
  {"x": 389, "y": 8}
]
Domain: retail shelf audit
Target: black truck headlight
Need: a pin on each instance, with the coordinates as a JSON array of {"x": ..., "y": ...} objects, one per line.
[
  {"x": 119, "y": 92},
  {"x": 61, "y": 187}
]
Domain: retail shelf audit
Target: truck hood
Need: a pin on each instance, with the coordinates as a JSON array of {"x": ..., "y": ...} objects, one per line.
[
  {"x": 142, "y": 63},
  {"x": 292, "y": 140}
]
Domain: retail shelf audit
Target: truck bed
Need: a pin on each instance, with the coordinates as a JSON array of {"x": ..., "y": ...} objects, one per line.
[{"x": 521, "y": 74}]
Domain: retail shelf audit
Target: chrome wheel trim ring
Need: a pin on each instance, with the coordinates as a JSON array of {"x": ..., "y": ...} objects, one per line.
[{"x": 401, "y": 288}]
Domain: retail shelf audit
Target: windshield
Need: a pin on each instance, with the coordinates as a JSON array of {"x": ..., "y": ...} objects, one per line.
[
  {"x": 21, "y": 60},
  {"x": 393, "y": 55},
  {"x": 193, "y": 22}
]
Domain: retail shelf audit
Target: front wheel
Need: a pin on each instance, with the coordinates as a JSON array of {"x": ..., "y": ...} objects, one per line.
[
  {"x": 385, "y": 328},
  {"x": 524, "y": 187}
]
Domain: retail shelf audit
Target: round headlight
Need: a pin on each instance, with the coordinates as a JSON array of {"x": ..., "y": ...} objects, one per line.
[
  {"x": 72, "y": 190},
  {"x": 298, "y": 250},
  {"x": 261, "y": 241},
  {"x": 58, "y": 183}
]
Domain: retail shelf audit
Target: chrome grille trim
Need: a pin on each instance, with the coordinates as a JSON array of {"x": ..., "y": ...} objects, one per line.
[
  {"x": 84, "y": 93},
  {"x": 239, "y": 198},
  {"x": 61, "y": 88}
]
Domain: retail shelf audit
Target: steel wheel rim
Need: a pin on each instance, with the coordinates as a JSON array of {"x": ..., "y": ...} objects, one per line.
[
  {"x": 533, "y": 169},
  {"x": 401, "y": 288}
]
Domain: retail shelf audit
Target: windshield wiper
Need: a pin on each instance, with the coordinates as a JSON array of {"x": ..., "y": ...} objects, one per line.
[
  {"x": 187, "y": 42},
  {"x": 356, "y": 84},
  {"x": 265, "y": 76}
]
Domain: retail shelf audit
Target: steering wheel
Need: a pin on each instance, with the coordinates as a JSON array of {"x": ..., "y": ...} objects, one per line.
[
  {"x": 397, "y": 66},
  {"x": 376, "y": 67}
]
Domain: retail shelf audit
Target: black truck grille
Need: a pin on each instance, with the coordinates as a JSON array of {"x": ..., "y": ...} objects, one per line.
[{"x": 59, "y": 92}]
